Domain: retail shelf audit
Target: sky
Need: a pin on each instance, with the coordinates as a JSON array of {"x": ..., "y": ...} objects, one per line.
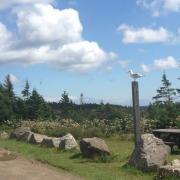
[{"x": 88, "y": 46}]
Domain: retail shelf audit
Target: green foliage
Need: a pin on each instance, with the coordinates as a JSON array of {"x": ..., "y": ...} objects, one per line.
[
  {"x": 165, "y": 93},
  {"x": 13, "y": 109},
  {"x": 8, "y": 86},
  {"x": 164, "y": 110},
  {"x": 25, "y": 92}
]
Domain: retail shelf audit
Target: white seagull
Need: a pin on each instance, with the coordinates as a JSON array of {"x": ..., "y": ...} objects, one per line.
[{"x": 134, "y": 76}]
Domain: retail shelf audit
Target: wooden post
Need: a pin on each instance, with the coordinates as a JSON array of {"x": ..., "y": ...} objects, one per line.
[{"x": 136, "y": 113}]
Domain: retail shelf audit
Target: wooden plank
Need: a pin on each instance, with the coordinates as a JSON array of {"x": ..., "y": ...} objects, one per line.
[{"x": 136, "y": 113}]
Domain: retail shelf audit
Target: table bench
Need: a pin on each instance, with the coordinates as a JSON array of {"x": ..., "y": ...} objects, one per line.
[{"x": 170, "y": 137}]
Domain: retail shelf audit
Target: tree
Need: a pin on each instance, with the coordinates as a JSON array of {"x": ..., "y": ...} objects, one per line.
[
  {"x": 37, "y": 107},
  {"x": 65, "y": 105},
  {"x": 9, "y": 86},
  {"x": 6, "y": 111},
  {"x": 25, "y": 92},
  {"x": 165, "y": 93},
  {"x": 164, "y": 110}
]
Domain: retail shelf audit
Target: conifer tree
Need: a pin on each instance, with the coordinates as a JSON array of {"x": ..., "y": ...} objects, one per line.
[
  {"x": 165, "y": 93},
  {"x": 25, "y": 92},
  {"x": 9, "y": 86}
]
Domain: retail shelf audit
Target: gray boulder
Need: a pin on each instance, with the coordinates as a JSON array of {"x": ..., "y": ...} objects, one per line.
[
  {"x": 21, "y": 133},
  {"x": 37, "y": 138},
  {"x": 94, "y": 146},
  {"x": 151, "y": 154},
  {"x": 51, "y": 142},
  {"x": 170, "y": 170},
  {"x": 68, "y": 142},
  {"x": 56, "y": 142}
]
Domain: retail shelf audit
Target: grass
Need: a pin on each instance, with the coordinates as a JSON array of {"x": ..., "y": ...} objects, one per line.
[{"x": 71, "y": 160}]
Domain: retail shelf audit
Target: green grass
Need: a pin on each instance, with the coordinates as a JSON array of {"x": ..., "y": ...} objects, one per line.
[{"x": 71, "y": 160}]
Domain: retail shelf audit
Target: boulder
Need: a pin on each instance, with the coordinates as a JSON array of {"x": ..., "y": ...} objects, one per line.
[
  {"x": 151, "y": 153},
  {"x": 51, "y": 142},
  {"x": 37, "y": 138},
  {"x": 94, "y": 146},
  {"x": 170, "y": 170},
  {"x": 4, "y": 135},
  {"x": 21, "y": 133},
  {"x": 56, "y": 142},
  {"x": 68, "y": 142}
]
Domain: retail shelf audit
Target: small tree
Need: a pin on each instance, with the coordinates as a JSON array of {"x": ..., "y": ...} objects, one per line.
[
  {"x": 65, "y": 105},
  {"x": 25, "y": 92},
  {"x": 9, "y": 86},
  {"x": 164, "y": 109},
  {"x": 165, "y": 93}
]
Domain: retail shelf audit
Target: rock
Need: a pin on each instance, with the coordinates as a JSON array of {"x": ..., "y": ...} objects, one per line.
[
  {"x": 68, "y": 142},
  {"x": 51, "y": 142},
  {"x": 94, "y": 146},
  {"x": 56, "y": 142},
  {"x": 47, "y": 142},
  {"x": 37, "y": 138},
  {"x": 151, "y": 154},
  {"x": 21, "y": 133},
  {"x": 170, "y": 170},
  {"x": 4, "y": 135}
]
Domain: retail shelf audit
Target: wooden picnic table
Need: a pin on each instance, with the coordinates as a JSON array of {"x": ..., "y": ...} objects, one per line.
[{"x": 170, "y": 137}]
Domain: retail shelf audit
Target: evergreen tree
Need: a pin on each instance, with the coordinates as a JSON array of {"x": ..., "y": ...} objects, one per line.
[
  {"x": 164, "y": 110},
  {"x": 37, "y": 107},
  {"x": 25, "y": 92},
  {"x": 65, "y": 105},
  {"x": 9, "y": 86},
  {"x": 165, "y": 93},
  {"x": 6, "y": 111}
]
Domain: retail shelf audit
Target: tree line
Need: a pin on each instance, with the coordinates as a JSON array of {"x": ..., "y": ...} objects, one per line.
[{"x": 165, "y": 108}]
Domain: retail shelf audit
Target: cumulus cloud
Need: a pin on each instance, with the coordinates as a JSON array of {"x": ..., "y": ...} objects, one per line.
[
  {"x": 144, "y": 35},
  {"x": 42, "y": 23},
  {"x": 145, "y": 68},
  {"x": 160, "y": 7},
  {"x": 49, "y": 35},
  {"x": 166, "y": 63}
]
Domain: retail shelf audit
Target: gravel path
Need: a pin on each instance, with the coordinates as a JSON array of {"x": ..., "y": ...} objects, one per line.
[{"x": 22, "y": 169}]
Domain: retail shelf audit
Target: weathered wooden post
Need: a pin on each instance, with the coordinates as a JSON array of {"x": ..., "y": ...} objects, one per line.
[{"x": 136, "y": 113}]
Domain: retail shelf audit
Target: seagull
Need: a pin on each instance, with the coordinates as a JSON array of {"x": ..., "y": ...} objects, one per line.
[{"x": 134, "y": 76}]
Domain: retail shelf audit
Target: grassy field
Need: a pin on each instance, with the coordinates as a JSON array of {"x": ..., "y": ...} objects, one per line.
[{"x": 89, "y": 169}]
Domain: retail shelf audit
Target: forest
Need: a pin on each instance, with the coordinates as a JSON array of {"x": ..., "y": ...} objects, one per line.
[{"x": 162, "y": 112}]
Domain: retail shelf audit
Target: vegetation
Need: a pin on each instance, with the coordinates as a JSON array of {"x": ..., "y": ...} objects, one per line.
[
  {"x": 165, "y": 110},
  {"x": 101, "y": 120}
]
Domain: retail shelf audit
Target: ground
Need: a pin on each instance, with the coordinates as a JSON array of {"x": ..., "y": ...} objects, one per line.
[
  {"x": 18, "y": 168},
  {"x": 74, "y": 163}
]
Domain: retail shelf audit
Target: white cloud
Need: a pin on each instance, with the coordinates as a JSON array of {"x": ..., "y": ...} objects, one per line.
[
  {"x": 12, "y": 3},
  {"x": 166, "y": 63},
  {"x": 124, "y": 63},
  {"x": 13, "y": 79},
  {"x": 5, "y": 36},
  {"x": 52, "y": 36},
  {"x": 144, "y": 35},
  {"x": 43, "y": 23},
  {"x": 160, "y": 7},
  {"x": 172, "y": 5},
  {"x": 145, "y": 68}
]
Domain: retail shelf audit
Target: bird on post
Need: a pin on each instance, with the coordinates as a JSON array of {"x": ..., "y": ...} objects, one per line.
[{"x": 134, "y": 76}]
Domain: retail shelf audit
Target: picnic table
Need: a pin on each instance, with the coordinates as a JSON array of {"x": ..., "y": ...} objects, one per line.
[{"x": 170, "y": 137}]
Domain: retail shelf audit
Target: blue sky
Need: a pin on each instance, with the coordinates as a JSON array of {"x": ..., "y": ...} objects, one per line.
[{"x": 88, "y": 46}]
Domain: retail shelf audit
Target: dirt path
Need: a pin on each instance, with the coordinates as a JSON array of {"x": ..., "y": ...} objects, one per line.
[{"x": 21, "y": 169}]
